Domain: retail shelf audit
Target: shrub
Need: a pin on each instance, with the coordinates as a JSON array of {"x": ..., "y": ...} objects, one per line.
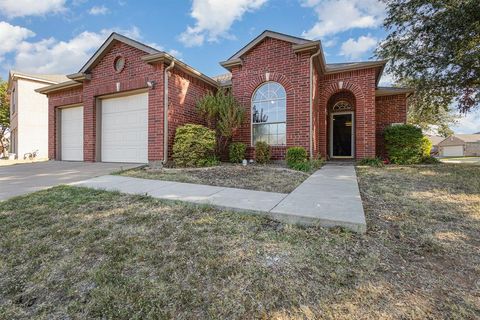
[
  {"x": 426, "y": 147},
  {"x": 237, "y": 152},
  {"x": 296, "y": 155},
  {"x": 430, "y": 160},
  {"x": 372, "y": 162},
  {"x": 222, "y": 112},
  {"x": 308, "y": 166},
  {"x": 194, "y": 146},
  {"x": 262, "y": 152},
  {"x": 405, "y": 144}
]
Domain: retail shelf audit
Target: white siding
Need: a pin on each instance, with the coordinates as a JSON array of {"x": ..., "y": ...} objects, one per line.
[{"x": 31, "y": 118}]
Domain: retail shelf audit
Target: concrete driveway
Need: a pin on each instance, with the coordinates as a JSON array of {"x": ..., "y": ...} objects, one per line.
[
  {"x": 467, "y": 160},
  {"x": 30, "y": 177}
]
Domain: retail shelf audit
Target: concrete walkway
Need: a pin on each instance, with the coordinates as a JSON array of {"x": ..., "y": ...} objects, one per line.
[{"x": 330, "y": 197}]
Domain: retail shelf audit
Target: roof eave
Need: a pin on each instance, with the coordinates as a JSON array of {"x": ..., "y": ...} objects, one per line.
[
  {"x": 79, "y": 76},
  {"x": 14, "y": 76},
  {"x": 373, "y": 64},
  {"x": 229, "y": 64},
  {"x": 59, "y": 87},
  {"x": 163, "y": 57},
  {"x": 383, "y": 92}
]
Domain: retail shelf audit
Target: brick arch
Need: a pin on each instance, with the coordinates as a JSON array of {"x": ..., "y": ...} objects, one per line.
[
  {"x": 340, "y": 86},
  {"x": 260, "y": 79}
]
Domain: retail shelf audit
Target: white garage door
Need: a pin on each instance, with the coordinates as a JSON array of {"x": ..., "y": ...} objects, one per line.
[
  {"x": 71, "y": 134},
  {"x": 453, "y": 151},
  {"x": 125, "y": 129}
]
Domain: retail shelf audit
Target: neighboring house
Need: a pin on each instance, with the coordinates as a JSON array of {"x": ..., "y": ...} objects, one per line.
[
  {"x": 435, "y": 140},
  {"x": 460, "y": 145},
  {"x": 118, "y": 106},
  {"x": 29, "y": 112}
]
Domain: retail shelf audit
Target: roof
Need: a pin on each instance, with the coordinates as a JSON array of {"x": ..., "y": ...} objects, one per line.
[
  {"x": 59, "y": 86},
  {"x": 152, "y": 56},
  {"x": 269, "y": 34},
  {"x": 224, "y": 80},
  {"x": 435, "y": 140},
  {"x": 45, "y": 78},
  {"x": 468, "y": 137},
  {"x": 390, "y": 91},
  {"x": 303, "y": 45},
  {"x": 100, "y": 53},
  {"x": 460, "y": 139}
]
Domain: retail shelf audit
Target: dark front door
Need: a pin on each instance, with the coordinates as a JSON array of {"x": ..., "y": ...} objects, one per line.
[{"x": 342, "y": 135}]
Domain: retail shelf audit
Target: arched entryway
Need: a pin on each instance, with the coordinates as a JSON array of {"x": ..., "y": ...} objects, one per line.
[{"x": 341, "y": 125}]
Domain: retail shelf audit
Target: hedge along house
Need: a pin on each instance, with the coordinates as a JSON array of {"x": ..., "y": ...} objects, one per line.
[{"x": 114, "y": 110}]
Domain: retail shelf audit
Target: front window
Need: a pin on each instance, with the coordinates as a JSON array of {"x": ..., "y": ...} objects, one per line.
[{"x": 269, "y": 112}]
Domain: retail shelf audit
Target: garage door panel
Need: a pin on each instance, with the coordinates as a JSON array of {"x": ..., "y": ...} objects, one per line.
[
  {"x": 71, "y": 140},
  {"x": 125, "y": 129},
  {"x": 453, "y": 151}
]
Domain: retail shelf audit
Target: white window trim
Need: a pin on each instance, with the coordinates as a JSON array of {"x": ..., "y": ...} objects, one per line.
[{"x": 251, "y": 114}]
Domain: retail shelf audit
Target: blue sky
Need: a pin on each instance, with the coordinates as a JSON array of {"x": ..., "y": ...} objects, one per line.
[{"x": 58, "y": 36}]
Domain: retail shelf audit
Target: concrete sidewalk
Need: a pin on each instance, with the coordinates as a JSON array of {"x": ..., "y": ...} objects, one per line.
[{"x": 330, "y": 197}]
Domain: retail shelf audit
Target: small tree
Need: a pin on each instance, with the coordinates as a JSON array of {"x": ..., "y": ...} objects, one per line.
[
  {"x": 222, "y": 112},
  {"x": 4, "y": 115}
]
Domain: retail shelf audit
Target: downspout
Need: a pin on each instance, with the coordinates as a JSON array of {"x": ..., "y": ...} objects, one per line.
[
  {"x": 165, "y": 111},
  {"x": 311, "y": 100}
]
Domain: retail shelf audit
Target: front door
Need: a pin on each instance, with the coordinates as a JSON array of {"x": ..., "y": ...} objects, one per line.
[{"x": 342, "y": 135}]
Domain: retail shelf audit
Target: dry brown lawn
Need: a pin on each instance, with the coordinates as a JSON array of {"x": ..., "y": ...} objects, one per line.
[
  {"x": 75, "y": 253},
  {"x": 269, "y": 178}
]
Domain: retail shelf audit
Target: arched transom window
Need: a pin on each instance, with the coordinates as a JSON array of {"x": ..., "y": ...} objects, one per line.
[{"x": 269, "y": 113}]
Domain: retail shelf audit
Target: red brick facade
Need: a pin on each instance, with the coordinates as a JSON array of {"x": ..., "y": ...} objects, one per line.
[
  {"x": 184, "y": 91},
  {"x": 274, "y": 60},
  {"x": 389, "y": 109},
  {"x": 271, "y": 59}
]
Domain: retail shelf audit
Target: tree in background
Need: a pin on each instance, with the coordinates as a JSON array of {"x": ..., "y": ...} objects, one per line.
[
  {"x": 434, "y": 47},
  {"x": 432, "y": 121},
  {"x": 4, "y": 115},
  {"x": 224, "y": 113}
]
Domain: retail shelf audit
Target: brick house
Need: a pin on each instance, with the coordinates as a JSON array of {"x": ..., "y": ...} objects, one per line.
[{"x": 114, "y": 110}]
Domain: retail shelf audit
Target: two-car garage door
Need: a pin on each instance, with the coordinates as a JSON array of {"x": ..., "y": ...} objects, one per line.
[
  {"x": 123, "y": 130},
  {"x": 452, "y": 151}
]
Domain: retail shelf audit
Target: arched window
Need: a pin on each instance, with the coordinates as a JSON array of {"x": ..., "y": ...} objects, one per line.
[{"x": 269, "y": 113}]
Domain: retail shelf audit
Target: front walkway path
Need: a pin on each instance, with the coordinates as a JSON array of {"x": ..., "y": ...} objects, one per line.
[{"x": 329, "y": 197}]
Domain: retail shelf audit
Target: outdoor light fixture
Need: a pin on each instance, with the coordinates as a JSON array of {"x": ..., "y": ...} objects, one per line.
[{"x": 151, "y": 84}]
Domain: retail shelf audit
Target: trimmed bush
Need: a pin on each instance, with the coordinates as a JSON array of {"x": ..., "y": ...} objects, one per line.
[
  {"x": 372, "y": 162},
  {"x": 405, "y": 144},
  {"x": 296, "y": 155},
  {"x": 308, "y": 166},
  {"x": 262, "y": 152},
  {"x": 194, "y": 146},
  {"x": 236, "y": 152},
  {"x": 426, "y": 147},
  {"x": 430, "y": 160}
]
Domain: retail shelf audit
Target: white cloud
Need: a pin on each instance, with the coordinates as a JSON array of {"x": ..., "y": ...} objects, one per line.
[
  {"x": 11, "y": 36},
  {"x": 214, "y": 19},
  {"x": 98, "y": 10},
  {"x": 22, "y": 8},
  {"x": 354, "y": 49},
  {"x": 50, "y": 55},
  {"x": 335, "y": 16}
]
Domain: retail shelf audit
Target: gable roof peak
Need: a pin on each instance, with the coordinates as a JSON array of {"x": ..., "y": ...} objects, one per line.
[
  {"x": 269, "y": 34},
  {"x": 109, "y": 42}
]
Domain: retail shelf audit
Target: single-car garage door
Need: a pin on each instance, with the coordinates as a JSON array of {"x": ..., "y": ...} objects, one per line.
[
  {"x": 71, "y": 134},
  {"x": 453, "y": 151},
  {"x": 124, "y": 133}
]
